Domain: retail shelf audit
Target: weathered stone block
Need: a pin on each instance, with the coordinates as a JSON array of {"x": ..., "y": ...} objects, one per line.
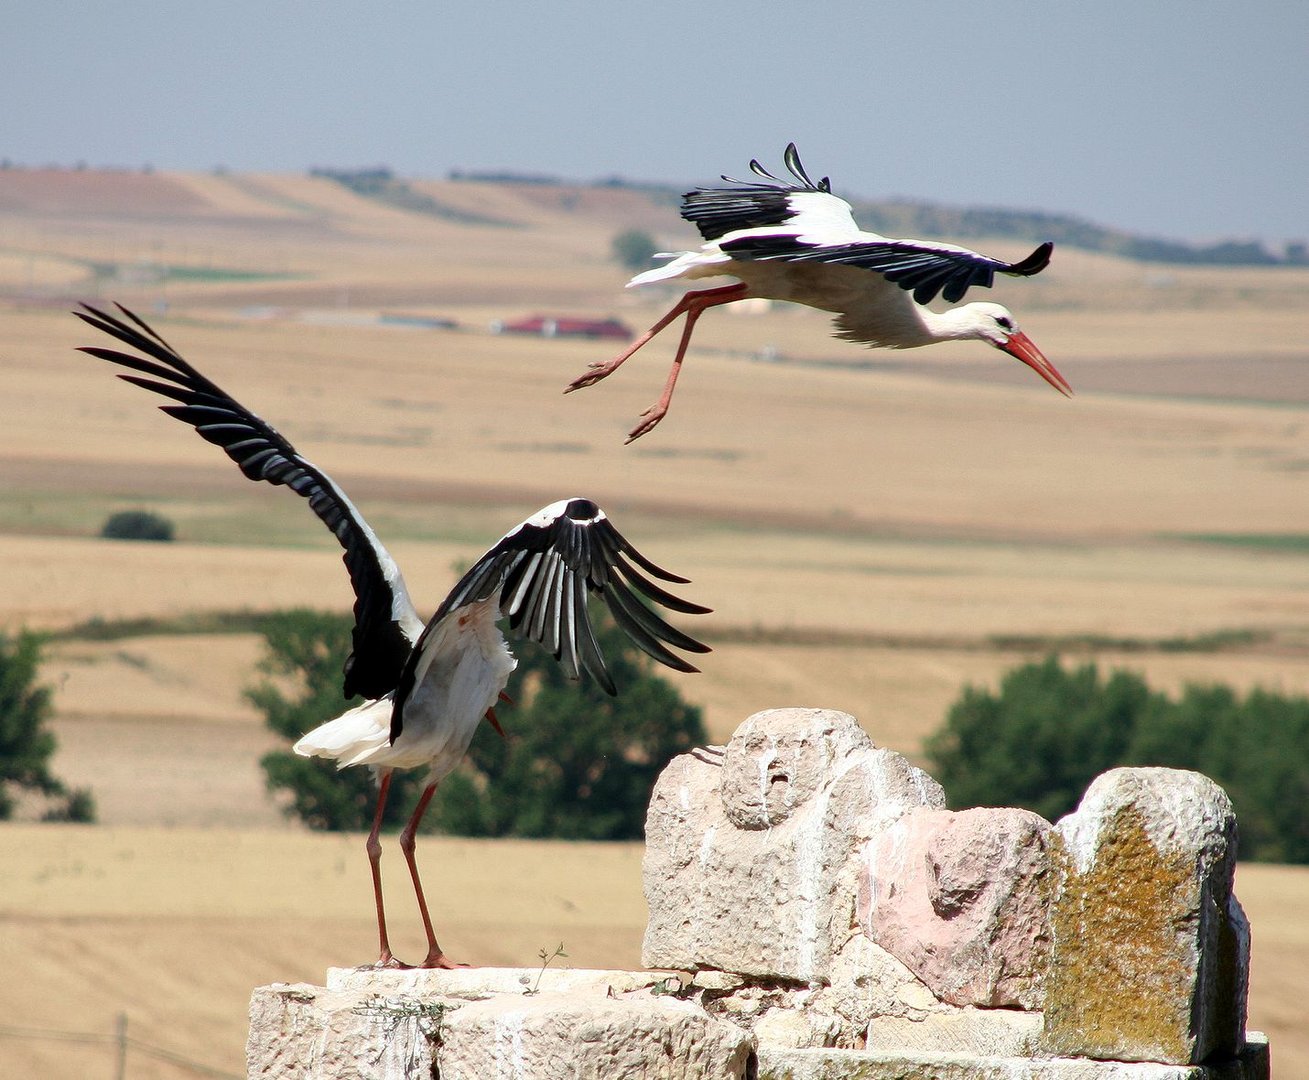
[
  {"x": 749, "y": 863},
  {"x": 482, "y": 1024},
  {"x": 560, "y": 1035},
  {"x": 304, "y": 1032},
  {"x": 1150, "y": 949},
  {"x": 780, "y": 1063},
  {"x": 961, "y": 899},
  {"x": 865, "y": 982},
  {"x": 977, "y": 1032}
]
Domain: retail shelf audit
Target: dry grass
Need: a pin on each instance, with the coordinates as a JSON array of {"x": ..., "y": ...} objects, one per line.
[
  {"x": 175, "y": 927},
  {"x": 864, "y": 525}
]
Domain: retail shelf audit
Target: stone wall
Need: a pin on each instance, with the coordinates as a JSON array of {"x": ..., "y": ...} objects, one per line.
[{"x": 816, "y": 912}]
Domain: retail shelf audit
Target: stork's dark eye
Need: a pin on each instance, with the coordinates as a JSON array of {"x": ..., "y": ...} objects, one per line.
[{"x": 1004, "y": 322}]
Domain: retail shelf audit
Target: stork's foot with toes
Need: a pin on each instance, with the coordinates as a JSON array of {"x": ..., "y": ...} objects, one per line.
[{"x": 692, "y": 305}]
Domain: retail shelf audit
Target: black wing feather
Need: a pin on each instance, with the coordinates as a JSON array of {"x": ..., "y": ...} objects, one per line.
[
  {"x": 611, "y": 543},
  {"x": 381, "y": 641},
  {"x": 924, "y": 270},
  {"x": 544, "y": 572},
  {"x": 750, "y": 205}
]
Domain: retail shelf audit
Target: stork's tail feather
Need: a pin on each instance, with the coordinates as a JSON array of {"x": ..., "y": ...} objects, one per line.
[
  {"x": 670, "y": 269},
  {"x": 352, "y": 737}
]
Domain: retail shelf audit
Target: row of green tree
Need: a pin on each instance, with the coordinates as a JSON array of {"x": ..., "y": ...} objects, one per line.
[
  {"x": 1050, "y": 730},
  {"x": 578, "y": 764}
]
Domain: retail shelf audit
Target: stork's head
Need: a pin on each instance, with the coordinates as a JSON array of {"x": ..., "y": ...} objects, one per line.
[{"x": 995, "y": 325}]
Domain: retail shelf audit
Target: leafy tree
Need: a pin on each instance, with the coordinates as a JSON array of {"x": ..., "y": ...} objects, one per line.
[
  {"x": 26, "y": 744},
  {"x": 306, "y": 652},
  {"x": 137, "y": 525},
  {"x": 633, "y": 249},
  {"x": 1256, "y": 747},
  {"x": 1040, "y": 741},
  {"x": 577, "y": 763}
]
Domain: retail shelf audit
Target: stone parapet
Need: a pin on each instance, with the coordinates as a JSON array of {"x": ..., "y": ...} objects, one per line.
[{"x": 825, "y": 918}]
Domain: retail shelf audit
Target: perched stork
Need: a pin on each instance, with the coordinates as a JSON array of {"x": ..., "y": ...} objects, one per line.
[
  {"x": 428, "y": 686},
  {"x": 798, "y": 242}
]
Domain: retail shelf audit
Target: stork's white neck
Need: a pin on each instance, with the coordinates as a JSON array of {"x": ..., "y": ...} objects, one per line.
[
  {"x": 902, "y": 324},
  {"x": 957, "y": 324}
]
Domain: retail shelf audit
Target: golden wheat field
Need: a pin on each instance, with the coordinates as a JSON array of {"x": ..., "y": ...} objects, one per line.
[{"x": 873, "y": 530}]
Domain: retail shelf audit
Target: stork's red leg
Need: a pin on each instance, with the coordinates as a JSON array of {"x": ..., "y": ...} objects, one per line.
[
  {"x": 494, "y": 720},
  {"x": 659, "y": 409},
  {"x": 374, "y": 847},
  {"x": 695, "y": 301},
  {"x": 436, "y": 957}
]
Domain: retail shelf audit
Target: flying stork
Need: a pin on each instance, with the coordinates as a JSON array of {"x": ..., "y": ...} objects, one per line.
[
  {"x": 798, "y": 242},
  {"x": 428, "y": 686}
]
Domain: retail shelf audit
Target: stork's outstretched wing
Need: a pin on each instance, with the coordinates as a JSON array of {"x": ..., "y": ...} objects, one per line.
[
  {"x": 804, "y": 222},
  {"x": 545, "y": 570},
  {"x": 918, "y": 265},
  {"x": 386, "y": 624}
]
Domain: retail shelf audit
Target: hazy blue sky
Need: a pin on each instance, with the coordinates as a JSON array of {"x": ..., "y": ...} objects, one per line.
[{"x": 1187, "y": 120}]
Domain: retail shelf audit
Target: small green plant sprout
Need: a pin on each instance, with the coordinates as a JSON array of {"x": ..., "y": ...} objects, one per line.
[
  {"x": 672, "y": 986},
  {"x": 545, "y": 959},
  {"x": 397, "y": 1009}
]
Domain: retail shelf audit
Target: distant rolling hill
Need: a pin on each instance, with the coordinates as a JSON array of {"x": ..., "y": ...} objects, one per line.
[
  {"x": 899, "y": 217},
  {"x": 144, "y": 193}
]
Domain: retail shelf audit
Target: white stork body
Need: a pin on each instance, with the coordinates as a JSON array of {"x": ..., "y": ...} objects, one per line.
[
  {"x": 429, "y": 686},
  {"x": 799, "y": 243},
  {"x": 869, "y": 309},
  {"x": 466, "y": 666}
]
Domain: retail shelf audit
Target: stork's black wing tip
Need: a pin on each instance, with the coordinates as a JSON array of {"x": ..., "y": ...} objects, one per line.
[
  {"x": 1037, "y": 261},
  {"x": 99, "y": 311}
]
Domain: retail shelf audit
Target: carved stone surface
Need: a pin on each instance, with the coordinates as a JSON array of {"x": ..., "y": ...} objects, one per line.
[
  {"x": 961, "y": 899},
  {"x": 1150, "y": 948},
  {"x": 749, "y": 863}
]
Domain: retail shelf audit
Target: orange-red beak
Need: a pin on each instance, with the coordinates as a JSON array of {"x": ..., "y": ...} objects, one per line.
[{"x": 1021, "y": 347}]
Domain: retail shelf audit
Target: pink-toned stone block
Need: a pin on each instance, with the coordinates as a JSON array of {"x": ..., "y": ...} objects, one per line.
[{"x": 960, "y": 900}]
